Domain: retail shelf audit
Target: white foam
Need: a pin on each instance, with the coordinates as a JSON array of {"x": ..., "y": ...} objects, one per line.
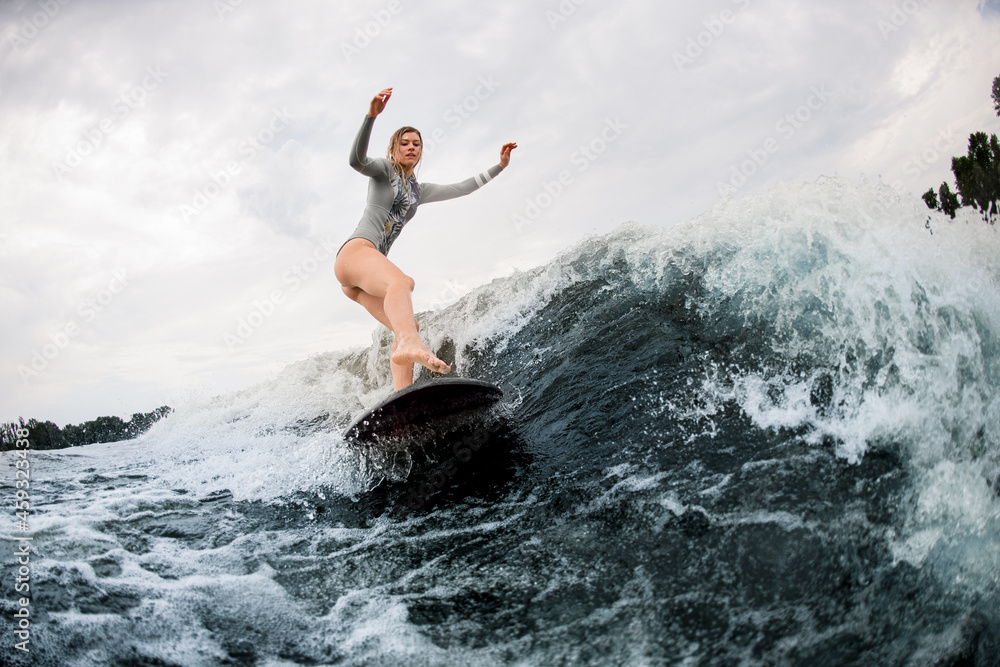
[
  {"x": 841, "y": 273},
  {"x": 844, "y": 274},
  {"x": 901, "y": 325}
]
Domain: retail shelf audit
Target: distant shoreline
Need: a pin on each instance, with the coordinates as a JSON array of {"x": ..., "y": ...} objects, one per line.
[{"x": 47, "y": 435}]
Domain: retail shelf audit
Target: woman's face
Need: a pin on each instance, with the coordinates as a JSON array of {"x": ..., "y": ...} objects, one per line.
[{"x": 408, "y": 150}]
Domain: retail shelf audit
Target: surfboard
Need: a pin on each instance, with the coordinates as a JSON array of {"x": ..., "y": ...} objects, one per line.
[{"x": 421, "y": 408}]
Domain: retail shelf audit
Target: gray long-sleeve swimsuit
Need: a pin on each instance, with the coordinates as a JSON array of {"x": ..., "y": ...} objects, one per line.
[{"x": 392, "y": 202}]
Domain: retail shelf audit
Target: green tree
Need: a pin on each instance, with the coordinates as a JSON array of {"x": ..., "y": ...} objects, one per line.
[
  {"x": 42, "y": 435},
  {"x": 107, "y": 429},
  {"x": 46, "y": 435},
  {"x": 74, "y": 436},
  {"x": 977, "y": 175}
]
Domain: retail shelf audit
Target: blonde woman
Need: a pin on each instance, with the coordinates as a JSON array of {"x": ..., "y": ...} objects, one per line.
[{"x": 365, "y": 273}]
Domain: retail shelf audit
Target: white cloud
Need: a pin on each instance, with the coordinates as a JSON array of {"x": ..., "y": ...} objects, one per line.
[{"x": 165, "y": 97}]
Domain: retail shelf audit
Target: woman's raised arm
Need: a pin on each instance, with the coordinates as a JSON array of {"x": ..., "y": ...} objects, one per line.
[
  {"x": 358, "y": 158},
  {"x": 379, "y": 101}
]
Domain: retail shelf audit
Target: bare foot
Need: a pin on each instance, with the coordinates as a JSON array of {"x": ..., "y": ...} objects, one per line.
[{"x": 415, "y": 352}]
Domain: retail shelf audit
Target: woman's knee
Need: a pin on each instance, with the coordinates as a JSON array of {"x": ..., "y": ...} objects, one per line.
[{"x": 402, "y": 282}]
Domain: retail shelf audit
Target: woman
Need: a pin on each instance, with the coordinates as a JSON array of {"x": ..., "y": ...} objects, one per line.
[{"x": 365, "y": 273}]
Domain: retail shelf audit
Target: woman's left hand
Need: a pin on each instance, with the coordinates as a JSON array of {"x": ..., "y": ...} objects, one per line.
[{"x": 505, "y": 153}]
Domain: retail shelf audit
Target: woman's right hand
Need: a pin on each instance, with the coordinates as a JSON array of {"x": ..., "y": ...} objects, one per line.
[{"x": 378, "y": 103}]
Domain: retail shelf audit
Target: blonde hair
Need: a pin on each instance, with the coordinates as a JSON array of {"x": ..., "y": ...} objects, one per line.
[{"x": 394, "y": 140}]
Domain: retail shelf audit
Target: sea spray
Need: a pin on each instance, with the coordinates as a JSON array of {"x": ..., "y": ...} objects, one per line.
[{"x": 764, "y": 436}]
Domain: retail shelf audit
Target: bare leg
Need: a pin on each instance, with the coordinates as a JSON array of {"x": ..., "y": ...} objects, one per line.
[
  {"x": 402, "y": 374},
  {"x": 369, "y": 278}
]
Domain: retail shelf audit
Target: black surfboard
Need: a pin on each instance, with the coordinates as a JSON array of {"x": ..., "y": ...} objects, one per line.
[{"x": 424, "y": 407}]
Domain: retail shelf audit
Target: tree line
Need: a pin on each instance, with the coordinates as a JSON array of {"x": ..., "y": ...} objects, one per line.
[
  {"x": 977, "y": 175},
  {"x": 46, "y": 435}
]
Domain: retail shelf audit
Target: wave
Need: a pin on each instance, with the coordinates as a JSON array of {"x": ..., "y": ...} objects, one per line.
[
  {"x": 831, "y": 311},
  {"x": 807, "y": 378}
]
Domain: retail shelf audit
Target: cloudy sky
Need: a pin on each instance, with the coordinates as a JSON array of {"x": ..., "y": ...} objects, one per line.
[{"x": 175, "y": 177}]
